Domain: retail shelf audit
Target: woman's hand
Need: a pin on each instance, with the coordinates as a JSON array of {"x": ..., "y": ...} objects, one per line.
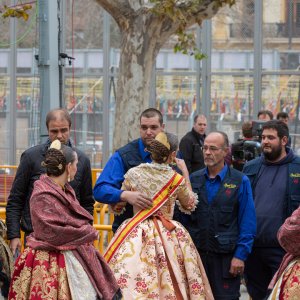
[
  {"x": 185, "y": 173},
  {"x": 191, "y": 204},
  {"x": 118, "y": 208},
  {"x": 181, "y": 165}
]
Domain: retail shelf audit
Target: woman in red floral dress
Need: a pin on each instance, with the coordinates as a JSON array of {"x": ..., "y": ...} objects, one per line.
[{"x": 60, "y": 261}]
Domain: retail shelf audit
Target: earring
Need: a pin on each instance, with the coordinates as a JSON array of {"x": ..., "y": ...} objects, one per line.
[{"x": 69, "y": 178}]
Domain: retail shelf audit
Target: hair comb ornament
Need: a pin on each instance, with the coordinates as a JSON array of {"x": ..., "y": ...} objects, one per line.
[
  {"x": 55, "y": 145},
  {"x": 162, "y": 138}
]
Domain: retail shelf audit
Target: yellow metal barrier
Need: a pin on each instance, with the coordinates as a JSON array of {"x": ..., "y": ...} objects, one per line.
[
  {"x": 95, "y": 174},
  {"x": 7, "y": 175},
  {"x": 102, "y": 216}
]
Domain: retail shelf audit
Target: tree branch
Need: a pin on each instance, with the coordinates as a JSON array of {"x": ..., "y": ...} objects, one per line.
[
  {"x": 169, "y": 26},
  {"x": 121, "y": 10}
]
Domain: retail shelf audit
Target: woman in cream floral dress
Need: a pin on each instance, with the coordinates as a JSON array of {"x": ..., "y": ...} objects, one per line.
[{"x": 152, "y": 256}]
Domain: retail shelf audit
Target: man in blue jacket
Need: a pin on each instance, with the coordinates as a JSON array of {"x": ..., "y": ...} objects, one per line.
[
  {"x": 223, "y": 225},
  {"x": 108, "y": 186},
  {"x": 275, "y": 181}
]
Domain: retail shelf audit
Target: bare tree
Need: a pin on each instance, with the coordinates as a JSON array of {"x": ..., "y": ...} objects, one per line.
[{"x": 145, "y": 26}]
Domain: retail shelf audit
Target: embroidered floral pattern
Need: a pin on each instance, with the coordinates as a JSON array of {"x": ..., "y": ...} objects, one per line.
[
  {"x": 290, "y": 287},
  {"x": 148, "y": 255},
  {"x": 122, "y": 281},
  {"x": 140, "y": 264},
  {"x": 40, "y": 275}
]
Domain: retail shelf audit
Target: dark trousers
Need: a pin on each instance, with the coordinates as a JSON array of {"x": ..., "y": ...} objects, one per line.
[
  {"x": 260, "y": 267},
  {"x": 224, "y": 286}
]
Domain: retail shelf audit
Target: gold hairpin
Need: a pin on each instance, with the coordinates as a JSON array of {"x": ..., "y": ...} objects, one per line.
[
  {"x": 55, "y": 145},
  {"x": 162, "y": 138}
]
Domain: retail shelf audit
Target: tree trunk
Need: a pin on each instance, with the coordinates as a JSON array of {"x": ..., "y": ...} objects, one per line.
[{"x": 138, "y": 56}]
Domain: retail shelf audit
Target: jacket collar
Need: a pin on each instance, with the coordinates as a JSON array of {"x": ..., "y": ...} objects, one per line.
[{"x": 198, "y": 136}]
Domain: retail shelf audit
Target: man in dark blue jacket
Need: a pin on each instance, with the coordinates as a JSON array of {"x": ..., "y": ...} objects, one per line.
[
  {"x": 108, "y": 186},
  {"x": 223, "y": 225},
  {"x": 275, "y": 181},
  {"x": 58, "y": 122}
]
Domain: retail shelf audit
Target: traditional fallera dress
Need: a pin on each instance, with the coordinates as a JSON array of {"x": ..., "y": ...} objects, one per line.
[
  {"x": 60, "y": 261},
  {"x": 286, "y": 282},
  {"x": 152, "y": 256}
]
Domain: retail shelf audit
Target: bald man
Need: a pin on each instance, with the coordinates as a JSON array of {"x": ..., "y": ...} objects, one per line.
[{"x": 223, "y": 225}]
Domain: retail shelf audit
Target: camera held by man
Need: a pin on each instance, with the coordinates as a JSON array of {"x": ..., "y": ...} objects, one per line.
[{"x": 249, "y": 147}]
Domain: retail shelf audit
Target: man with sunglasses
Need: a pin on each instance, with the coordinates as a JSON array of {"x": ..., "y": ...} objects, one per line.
[
  {"x": 108, "y": 186},
  {"x": 223, "y": 225}
]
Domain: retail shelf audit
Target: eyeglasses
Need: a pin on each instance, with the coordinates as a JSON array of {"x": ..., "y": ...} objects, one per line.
[{"x": 212, "y": 148}]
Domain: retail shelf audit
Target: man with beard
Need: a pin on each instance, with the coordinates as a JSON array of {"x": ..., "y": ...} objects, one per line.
[
  {"x": 275, "y": 181},
  {"x": 108, "y": 186},
  {"x": 223, "y": 225}
]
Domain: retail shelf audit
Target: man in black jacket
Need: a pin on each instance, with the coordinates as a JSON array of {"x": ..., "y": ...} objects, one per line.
[
  {"x": 58, "y": 122},
  {"x": 191, "y": 145}
]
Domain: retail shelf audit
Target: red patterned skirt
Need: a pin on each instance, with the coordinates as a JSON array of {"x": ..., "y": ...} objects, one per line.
[
  {"x": 40, "y": 275},
  {"x": 287, "y": 286}
]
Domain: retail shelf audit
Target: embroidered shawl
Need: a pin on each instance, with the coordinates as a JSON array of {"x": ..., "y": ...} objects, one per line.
[
  {"x": 60, "y": 223},
  {"x": 289, "y": 237}
]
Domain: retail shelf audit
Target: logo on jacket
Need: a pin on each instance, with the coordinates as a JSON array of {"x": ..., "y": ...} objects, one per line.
[
  {"x": 295, "y": 175},
  {"x": 229, "y": 186}
]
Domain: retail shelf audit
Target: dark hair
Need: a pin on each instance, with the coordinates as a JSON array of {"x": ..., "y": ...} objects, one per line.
[
  {"x": 247, "y": 129},
  {"x": 53, "y": 114},
  {"x": 159, "y": 152},
  {"x": 152, "y": 112},
  {"x": 56, "y": 160},
  {"x": 281, "y": 128},
  {"x": 197, "y": 116},
  {"x": 265, "y": 112},
  {"x": 282, "y": 115}
]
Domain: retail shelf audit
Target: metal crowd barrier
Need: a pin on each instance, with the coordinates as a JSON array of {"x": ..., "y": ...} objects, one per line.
[{"x": 103, "y": 219}]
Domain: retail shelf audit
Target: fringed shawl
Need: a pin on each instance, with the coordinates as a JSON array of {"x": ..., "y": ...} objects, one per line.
[
  {"x": 60, "y": 223},
  {"x": 289, "y": 239}
]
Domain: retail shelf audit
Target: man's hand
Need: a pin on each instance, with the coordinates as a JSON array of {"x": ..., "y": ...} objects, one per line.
[
  {"x": 137, "y": 199},
  {"x": 237, "y": 267},
  {"x": 14, "y": 245}
]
